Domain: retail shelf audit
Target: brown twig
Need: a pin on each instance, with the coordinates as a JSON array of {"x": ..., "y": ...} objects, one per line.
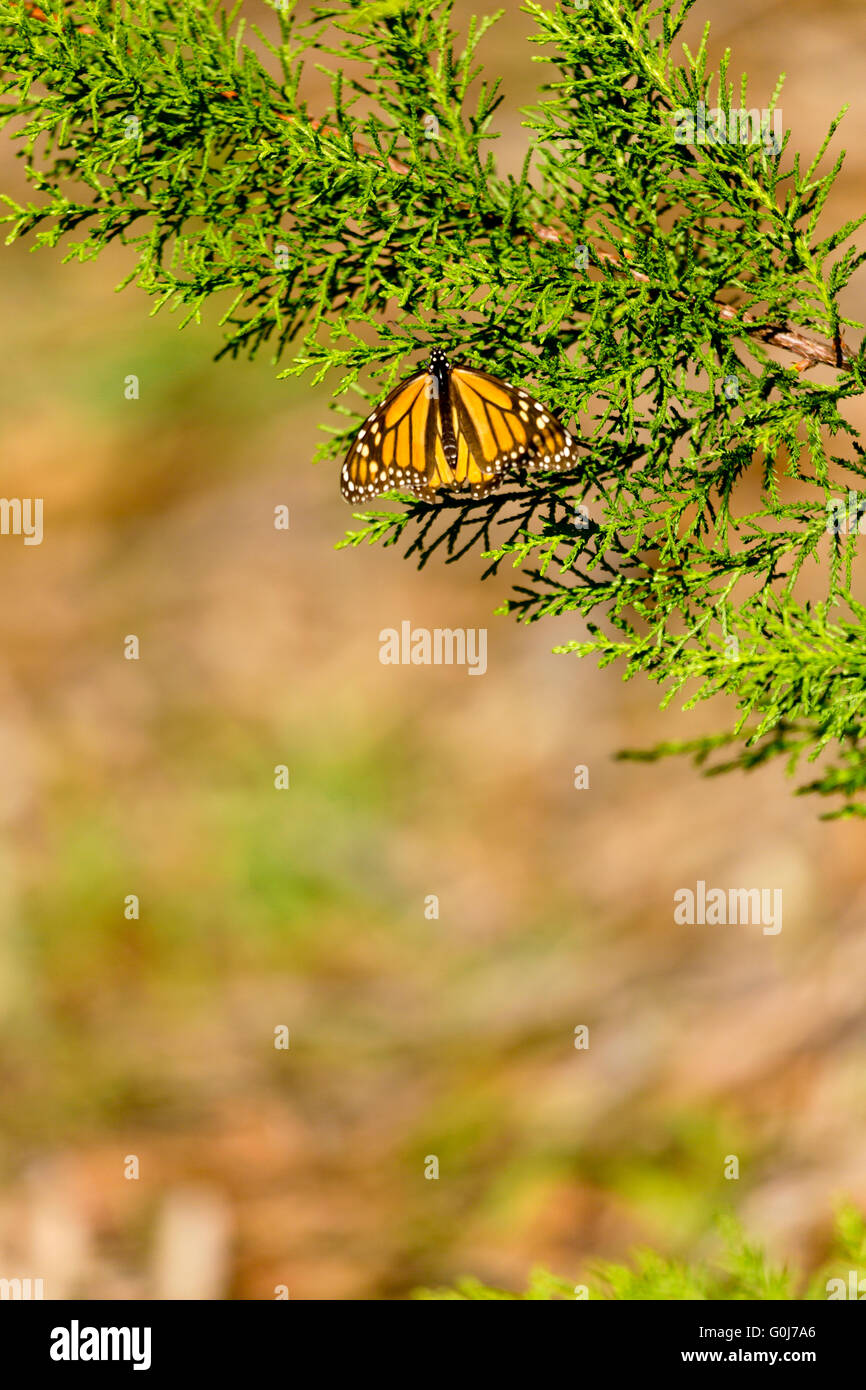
[
  {"x": 35, "y": 12},
  {"x": 809, "y": 351}
]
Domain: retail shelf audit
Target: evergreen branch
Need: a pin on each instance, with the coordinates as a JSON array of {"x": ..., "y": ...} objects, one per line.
[
  {"x": 708, "y": 540},
  {"x": 809, "y": 352}
]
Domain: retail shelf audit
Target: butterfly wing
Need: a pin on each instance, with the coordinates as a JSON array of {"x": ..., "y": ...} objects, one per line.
[
  {"x": 399, "y": 445},
  {"x": 495, "y": 426},
  {"x": 499, "y": 426}
]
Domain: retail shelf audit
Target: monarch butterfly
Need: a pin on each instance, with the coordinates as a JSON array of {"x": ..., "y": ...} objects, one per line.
[{"x": 452, "y": 429}]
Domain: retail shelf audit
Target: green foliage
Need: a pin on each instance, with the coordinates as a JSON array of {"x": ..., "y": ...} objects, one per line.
[
  {"x": 742, "y": 1273},
  {"x": 707, "y": 564}
]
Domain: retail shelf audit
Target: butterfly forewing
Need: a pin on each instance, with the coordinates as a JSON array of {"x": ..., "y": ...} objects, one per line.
[
  {"x": 406, "y": 444},
  {"x": 506, "y": 426}
]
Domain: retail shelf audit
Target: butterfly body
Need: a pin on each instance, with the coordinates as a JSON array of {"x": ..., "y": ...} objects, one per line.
[
  {"x": 439, "y": 370},
  {"x": 452, "y": 429}
]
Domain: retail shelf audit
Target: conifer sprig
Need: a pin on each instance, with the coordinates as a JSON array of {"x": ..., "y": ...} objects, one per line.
[
  {"x": 742, "y": 1271},
  {"x": 635, "y": 278}
]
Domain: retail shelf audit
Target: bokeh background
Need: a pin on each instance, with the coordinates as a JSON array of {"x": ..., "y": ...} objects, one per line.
[{"x": 409, "y": 1036}]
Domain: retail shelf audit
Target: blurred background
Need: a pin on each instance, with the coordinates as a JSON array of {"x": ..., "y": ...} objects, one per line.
[{"x": 410, "y": 1037}]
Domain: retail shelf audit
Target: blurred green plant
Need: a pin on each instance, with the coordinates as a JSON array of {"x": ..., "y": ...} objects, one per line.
[
  {"x": 742, "y": 1273},
  {"x": 636, "y": 273}
]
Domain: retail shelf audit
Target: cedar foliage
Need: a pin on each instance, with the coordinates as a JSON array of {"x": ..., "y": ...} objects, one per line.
[
  {"x": 742, "y": 1271},
  {"x": 650, "y": 289}
]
